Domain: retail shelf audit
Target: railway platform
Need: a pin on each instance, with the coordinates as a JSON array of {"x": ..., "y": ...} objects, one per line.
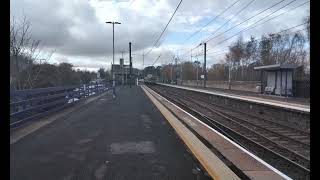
[
  {"x": 125, "y": 138},
  {"x": 245, "y": 164},
  {"x": 138, "y": 135},
  {"x": 266, "y": 132},
  {"x": 276, "y": 101}
]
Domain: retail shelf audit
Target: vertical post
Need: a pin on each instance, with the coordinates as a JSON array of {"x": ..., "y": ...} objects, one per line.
[
  {"x": 205, "y": 65},
  {"x": 113, "y": 75},
  {"x": 197, "y": 74},
  {"x": 230, "y": 76},
  {"x": 261, "y": 82},
  {"x": 130, "y": 58},
  {"x": 176, "y": 71},
  {"x": 286, "y": 83},
  {"x": 122, "y": 72},
  {"x": 143, "y": 65},
  {"x": 276, "y": 81},
  {"x": 171, "y": 73},
  {"x": 181, "y": 74},
  {"x": 280, "y": 82},
  {"x": 113, "y": 42}
]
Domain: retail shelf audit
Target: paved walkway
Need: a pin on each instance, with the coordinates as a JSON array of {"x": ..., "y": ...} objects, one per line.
[
  {"x": 126, "y": 138},
  {"x": 290, "y": 103}
]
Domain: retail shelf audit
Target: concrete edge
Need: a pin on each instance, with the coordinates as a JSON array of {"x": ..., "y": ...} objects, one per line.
[
  {"x": 213, "y": 165},
  {"x": 271, "y": 168},
  {"x": 260, "y": 101},
  {"x": 30, "y": 127}
]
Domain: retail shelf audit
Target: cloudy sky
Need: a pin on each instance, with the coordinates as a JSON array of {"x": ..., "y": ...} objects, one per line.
[{"x": 77, "y": 31}]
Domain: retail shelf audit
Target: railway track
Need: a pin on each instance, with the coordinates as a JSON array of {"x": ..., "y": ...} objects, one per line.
[
  {"x": 298, "y": 137},
  {"x": 268, "y": 119},
  {"x": 285, "y": 148}
]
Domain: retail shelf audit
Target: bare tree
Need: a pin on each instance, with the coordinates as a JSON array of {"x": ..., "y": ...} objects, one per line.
[
  {"x": 24, "y": 53},
  {"x": 307, "y": 21},
  {"x": 19, "y": 40},
  {"x": 33, "y": 76},
  {"x": 251, "y": 51}
]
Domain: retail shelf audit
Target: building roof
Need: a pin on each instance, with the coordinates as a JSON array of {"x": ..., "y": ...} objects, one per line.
[{"x": 276, "y": 67}]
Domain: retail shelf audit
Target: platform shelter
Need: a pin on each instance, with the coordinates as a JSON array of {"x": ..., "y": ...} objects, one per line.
[{"x": 279, "y": 78}]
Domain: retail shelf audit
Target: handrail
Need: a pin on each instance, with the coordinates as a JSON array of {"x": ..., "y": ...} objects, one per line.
[{"x": 25, "y": 104}]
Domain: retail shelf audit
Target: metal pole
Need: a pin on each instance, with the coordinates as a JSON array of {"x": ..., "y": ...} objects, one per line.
[
  {"x": 143, "y": 65},
  {"x": 113, "y": 75},
  {"x": 205, "y": 65},
  {"x": 181, "y": 74},
  {"x": 112, "y": 70},
  {"x": 230, "y": 68},
  {"x": 130, "y": 58},
  {"x": 171, "y": 73},
  {"x": 197, "y": 74},
  {"x": 175, "y": 69},
  {"x": 261, "y": 81},
  {"x": 113, "y": 42}
]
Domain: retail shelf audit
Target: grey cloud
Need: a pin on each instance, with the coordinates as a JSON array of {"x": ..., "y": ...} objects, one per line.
[{"x": 74, "y": 30}]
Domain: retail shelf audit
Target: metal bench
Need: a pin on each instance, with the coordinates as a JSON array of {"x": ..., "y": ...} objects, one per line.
[{"x": 269, "y": 90}]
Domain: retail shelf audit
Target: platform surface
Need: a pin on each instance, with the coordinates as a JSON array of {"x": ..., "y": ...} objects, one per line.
[
  {"x": 126, "y": 138},
  {"x": 213, "y": 164},
  {"x": 278, "y": 102},
  {"x": 249, "y": 164}
]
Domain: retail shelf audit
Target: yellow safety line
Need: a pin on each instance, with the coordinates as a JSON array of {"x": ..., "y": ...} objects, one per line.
[{"x": 217, "y": 169}]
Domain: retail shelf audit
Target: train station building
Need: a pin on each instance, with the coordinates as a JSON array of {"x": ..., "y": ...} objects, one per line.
[{"x": 122, "y": 72}]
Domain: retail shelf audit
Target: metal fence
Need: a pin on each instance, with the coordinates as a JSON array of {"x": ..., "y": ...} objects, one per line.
[
  {"x": 301, "y": 88},
  {"x": 26, "y": 105}
]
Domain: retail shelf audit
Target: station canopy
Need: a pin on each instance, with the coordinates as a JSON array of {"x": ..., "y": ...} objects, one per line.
[{"x": 276, "y": 67}]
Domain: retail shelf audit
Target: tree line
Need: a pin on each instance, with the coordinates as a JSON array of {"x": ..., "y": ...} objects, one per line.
[
  {"x": 35, "y": 75},
  {"x": 287, "y": 47},
  {"x": 29, "y": 67}
]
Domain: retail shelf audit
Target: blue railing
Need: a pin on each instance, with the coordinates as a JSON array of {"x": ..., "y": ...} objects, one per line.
[{"x": 31, "y": 104}]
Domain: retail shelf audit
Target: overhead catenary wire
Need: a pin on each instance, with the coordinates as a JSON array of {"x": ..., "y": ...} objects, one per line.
[
  {"x": 131, "y": 3},
  {"x": 164, "y": 28},
  {"x": 199, "y": 30},
  {"x": 279, "y": 14},
  {"x": 237, "y": 13},
  {"x": 257, "y": 39},
  {"x": 275, "y": 33},
  {"x": 251, "y": 26},
  {"x": 156, "y": 60},
  {"x": 208, "y": 54},
  {"x": 209, "y": 39}
]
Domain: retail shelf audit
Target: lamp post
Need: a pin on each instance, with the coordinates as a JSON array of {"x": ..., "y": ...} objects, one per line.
[
  {"x": 113, "y": 23},
  {"x": 130, "y": 59},
  {"x": 113, "y": 76}
]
